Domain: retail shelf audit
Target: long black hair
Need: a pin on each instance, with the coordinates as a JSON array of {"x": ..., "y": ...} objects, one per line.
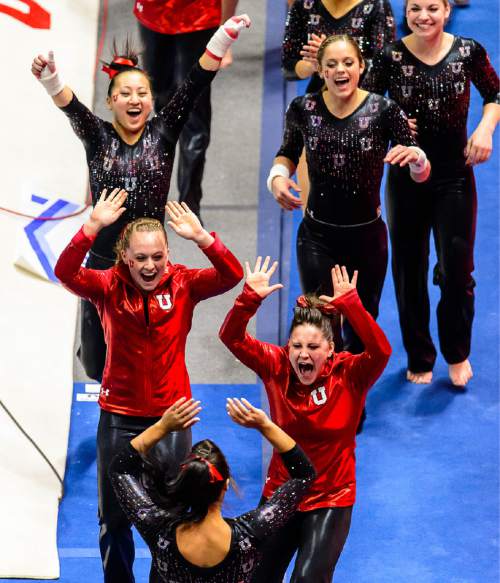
[{"x": 201, "y": 479}]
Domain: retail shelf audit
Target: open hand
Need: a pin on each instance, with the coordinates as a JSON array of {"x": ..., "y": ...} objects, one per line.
[
  {"x": 309, "y": 51},
  {"x": 479, "y": 147},
  {"x": 282, "y": 192},
  {"x": 106, "y": 211},
  {"x": 341, "y": 283},
  {"x": 181, "y": 415},
  {"x": 244, "y": 413},
  {"x": 185, "y": 223},
  {"x": 258, "y": 278}
]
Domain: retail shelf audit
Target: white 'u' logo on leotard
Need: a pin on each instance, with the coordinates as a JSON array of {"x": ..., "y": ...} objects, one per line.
[
  {"x": 313, "y": 142},
  {"x": 338, "y": 160},
  {"x": 363, "y": 122},
  {"x": 315, "y": 121},
  {"x": 356, "y": 22},
  {"x": 459, "y": 87},
  {"x": 164, "y": 301},
  {"x": 464, "y": 51},
  {"x": 308, "y": 4},
  {"x": 406, "y": 90},
  {"x": 130, "y": 183},
  {"x": 322, "y": 396},
  {"x": 373, "y": 107},
  {"x": 397, "y": 56},
  {"x": 368, "y": 8},
  {"x": 456, "y": 67},
  {"x": 314, "y": 19},
  {"x": 433, "y": 104},
  {"x": 390, "y": 21},
  {"x": 248, "y": 566},
  {"x": 408, "y": 70},
  {"x": 310, "y": 104},
  {"x": 366, "y": 144}
]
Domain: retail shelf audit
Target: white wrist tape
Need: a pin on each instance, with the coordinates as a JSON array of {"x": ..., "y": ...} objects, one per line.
[
  {"x": 225, "y": 35},
  {"x": 51, "y": 81},
  {"x": 276, "y": 170},
  {"x": 419, "y": 166}
]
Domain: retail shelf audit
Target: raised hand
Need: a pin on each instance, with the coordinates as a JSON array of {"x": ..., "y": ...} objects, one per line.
[
  {"x": 341, "y": 283},
  {"x": 106, "y": 211},
  {"x": 225, "y": 36},
  {"x": 44, "y": 69},
  {"x": 186, "y": 224},
  {"x": 282, "y": 192},
  {"x": 244, "y": 413},
  {"x": 258, "y": 278},
  {"x": 181, "y": 415},
  {"x": 309, "y": 51}
]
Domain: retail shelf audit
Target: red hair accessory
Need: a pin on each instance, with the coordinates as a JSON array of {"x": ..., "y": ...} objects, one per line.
[
  {"x": 215, "y": 475},
  {"x": 117, "y": 61},
  {"x": 326, "y": 309}
]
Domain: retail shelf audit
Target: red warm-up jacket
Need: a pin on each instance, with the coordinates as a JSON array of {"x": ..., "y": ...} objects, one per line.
[
  {"x": 145, "y": 370},
  {"x": 321, "y": 417}
]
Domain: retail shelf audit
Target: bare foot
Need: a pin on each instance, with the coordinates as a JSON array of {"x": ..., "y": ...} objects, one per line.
[
  {"x": 419, "y": 378},
  {"x": 460, "y": 373}
]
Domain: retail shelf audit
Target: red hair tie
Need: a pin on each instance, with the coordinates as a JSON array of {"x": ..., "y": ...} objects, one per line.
[
  {"x": 215, "y": 475},
  {"x": 326, "y": 309},
  {"x": 117, "y": 61}
]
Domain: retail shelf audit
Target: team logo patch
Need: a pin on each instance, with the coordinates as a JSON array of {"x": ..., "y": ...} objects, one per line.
[
  {"x": 397, "y": 56},
  {"x": 366, "y": 144},
  {"x": 373, "y": 107},
  {"x": 364, "y": 122},
  {"x": 356, "y": 22},
  {"x": 314, "y": 19},
  {"x": 408, "y": 70},
  {"x": 309, "y": 104},
  {"x": 406, "y": 90},
  {"x": 433, "y": 103},
  {"x": 313, "y": 142},
  {"x": 338, "y": 160},
  {"x": 459, "y": 87},
  {"x": 164, "y": 301},
  {"x": 316, "y": 121},
  {"x": 464, "y": 51},
  {"x": 319, "y": 396},
  {"x": 308, "y": 4},
  {"x": 368, "y": 8},
  {"x": 456, "y": 67}
]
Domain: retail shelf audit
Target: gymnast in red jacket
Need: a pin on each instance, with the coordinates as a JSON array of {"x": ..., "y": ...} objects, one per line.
[
  {"x": 146, "y": 306},
  {"x": 316, "y": 396}
]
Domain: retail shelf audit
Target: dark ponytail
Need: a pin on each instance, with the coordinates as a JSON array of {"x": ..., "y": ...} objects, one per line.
[{"x": 199, "y": 483}]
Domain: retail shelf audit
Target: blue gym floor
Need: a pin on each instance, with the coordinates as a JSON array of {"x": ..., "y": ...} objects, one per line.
[{"x": 428, "y": 480}]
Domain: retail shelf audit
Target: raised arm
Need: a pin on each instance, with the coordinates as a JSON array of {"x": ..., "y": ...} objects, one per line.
[
  {"x": 257, "y": 355},
  {"x": 272, "y": 515},
  {"x": 227, "y": 271},
  {"x": 44, "y": 69},
  {"x": 126, "y": 469},
  {"x": 368, "y": 366},
  {"x": 89, "y": 283}
]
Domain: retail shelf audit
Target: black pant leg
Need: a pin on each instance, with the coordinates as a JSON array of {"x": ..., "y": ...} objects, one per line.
[
  {"x": 322, "y": 538},
  {"x": 363, "y": 248},
  {"x": 195, "y": 136},
  {"x": 115, "y": 538},
  {"x": 92, "y": 351},
  {"x": 409, "y": 214},
  {"x": 454, "y": 225},
  {"x": 278, "y": 551}
]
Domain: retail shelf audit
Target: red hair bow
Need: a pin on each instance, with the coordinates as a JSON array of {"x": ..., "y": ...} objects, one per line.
[
  {"x": 116, "y": 61},
  {"x": 215, "y": 475}
]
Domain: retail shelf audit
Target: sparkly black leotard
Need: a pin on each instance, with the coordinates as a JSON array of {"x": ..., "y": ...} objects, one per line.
[
  {"x": 345, "y": 157},
  {"x": 370, "y": 23},
  {"x": 248, "y": 531},
  {"x": 143, "y": 169},
  {"x": 438, "y": 97},
  {"x": 342, "y": 222}
]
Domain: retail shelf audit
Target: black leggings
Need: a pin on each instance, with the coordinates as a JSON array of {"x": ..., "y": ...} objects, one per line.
[
  {"x": 318, "y": 536},
  {"x": 447, "y": 206},
  {"x": 168, "y": 58},
  {"x": 115, "y": 538},
  {"x": 92, "y": 351},
  {"x": 320, "y": 247}
]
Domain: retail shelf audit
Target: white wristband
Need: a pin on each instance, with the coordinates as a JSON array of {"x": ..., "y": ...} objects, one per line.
[
  {"x": 419, "y": 166},
  {"x": 51, "y": 81},
  {"x": 276, "y": 170}
]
